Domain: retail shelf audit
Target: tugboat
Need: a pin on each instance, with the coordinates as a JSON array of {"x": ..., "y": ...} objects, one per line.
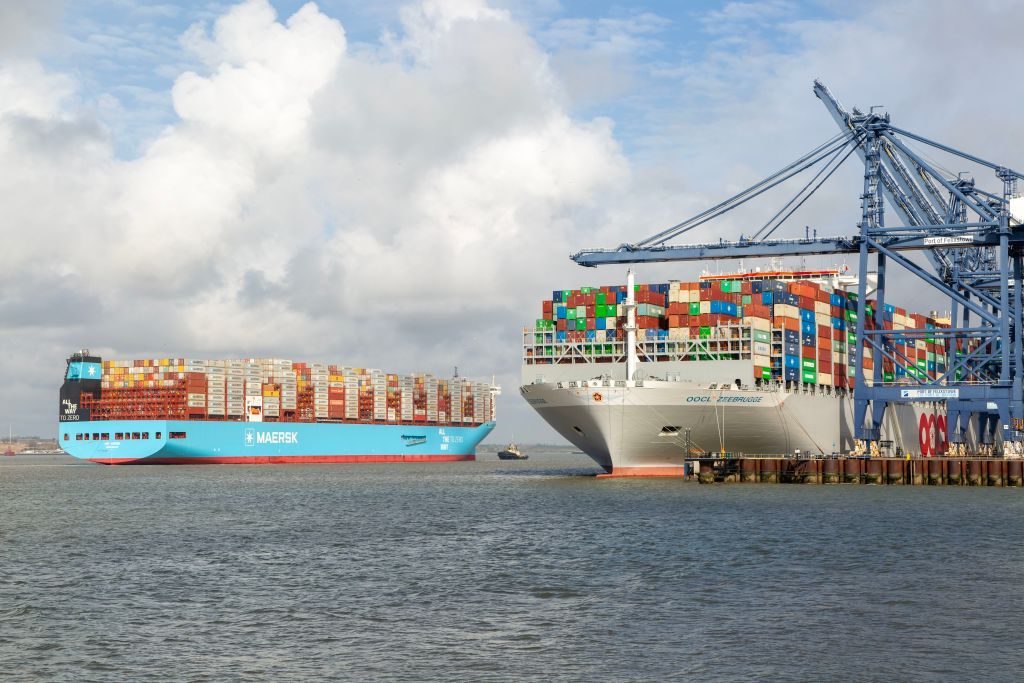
[{"x": 512, "y": 452}]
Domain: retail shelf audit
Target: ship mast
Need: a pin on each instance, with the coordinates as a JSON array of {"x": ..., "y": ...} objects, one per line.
[{"x": 631, "y": 358}]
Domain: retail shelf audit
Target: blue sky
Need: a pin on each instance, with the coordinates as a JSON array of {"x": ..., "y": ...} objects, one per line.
[{"x": 127, "y": 54}]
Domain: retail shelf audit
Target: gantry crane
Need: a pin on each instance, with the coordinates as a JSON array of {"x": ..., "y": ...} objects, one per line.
[{"x": 969, "y": 236}]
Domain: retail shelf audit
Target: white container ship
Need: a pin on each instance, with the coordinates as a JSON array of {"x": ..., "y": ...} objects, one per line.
[{"x": 642, "y": 401}]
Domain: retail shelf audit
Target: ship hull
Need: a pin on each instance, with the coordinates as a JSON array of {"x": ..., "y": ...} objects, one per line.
[
  {"x": 162, "y": 442},
  {"x": 655, "y": 428}
]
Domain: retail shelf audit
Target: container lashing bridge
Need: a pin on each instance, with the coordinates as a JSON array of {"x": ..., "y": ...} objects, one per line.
[{"x": 972, "y": 245}]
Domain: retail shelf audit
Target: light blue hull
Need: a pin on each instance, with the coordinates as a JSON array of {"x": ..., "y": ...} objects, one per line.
[{"x": 202, "y": 442}]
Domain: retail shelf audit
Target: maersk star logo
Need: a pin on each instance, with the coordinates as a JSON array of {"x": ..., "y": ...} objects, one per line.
[
  {"x": 250, "y": 437},
  {"x": 92, "y": 370}
]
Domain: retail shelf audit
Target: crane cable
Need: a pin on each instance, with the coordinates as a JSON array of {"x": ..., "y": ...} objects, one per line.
[{"x": 820, "y": 152}]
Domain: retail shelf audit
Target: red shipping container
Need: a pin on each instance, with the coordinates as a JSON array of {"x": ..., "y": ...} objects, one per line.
[
  {"x": 591, "y": 324},
  {"x": 788, "y": 323},
  {"x": 590, "y": 310},
  {"x": 808, "y": 352},
  {"x": 824, "y": 344},
  {"x": 546, "y": 308},
  {"x": 561, "y": 325},
  {"x": 825, "y": 366},
  {"x": 824, "y": 354}
]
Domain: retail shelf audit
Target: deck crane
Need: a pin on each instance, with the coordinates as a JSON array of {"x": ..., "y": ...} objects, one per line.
[{"x": 972, "y": 238}]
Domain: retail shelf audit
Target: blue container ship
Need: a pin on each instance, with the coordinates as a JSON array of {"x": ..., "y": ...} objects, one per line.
[{"x": 159, "y": 420}]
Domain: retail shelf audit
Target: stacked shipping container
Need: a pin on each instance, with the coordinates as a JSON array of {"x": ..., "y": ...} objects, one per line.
[
  {"x": 278, "y": 390},
  {"x": 800, "y": 330}
]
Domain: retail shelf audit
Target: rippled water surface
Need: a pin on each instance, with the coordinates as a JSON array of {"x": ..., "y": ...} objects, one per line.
[{"x": 498, "y": 571}]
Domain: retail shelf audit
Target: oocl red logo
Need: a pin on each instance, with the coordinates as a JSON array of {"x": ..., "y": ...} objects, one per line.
[{"x": 931, "y": 433}]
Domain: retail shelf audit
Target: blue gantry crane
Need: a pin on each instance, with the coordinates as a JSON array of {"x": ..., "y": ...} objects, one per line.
[{"x": 972, "y": 243}]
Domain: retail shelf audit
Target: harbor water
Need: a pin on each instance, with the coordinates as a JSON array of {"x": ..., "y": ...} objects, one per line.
[{"x": 498, "y": 571}]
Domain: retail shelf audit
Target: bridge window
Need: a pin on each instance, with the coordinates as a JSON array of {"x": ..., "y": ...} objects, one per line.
[
  {"x": 157, "y": 435},
  {"x": 145, "y": 435},
  {"x": 118, "y": 436},
  {"x": 95, "y": 436},
  {"x": 175, "y": 435},
  {"x": 105, "y": 436},
  {"x": 67, "y": 437},
  {"x": 136, "y": 435},
  {"x": 78, "y": 437}
]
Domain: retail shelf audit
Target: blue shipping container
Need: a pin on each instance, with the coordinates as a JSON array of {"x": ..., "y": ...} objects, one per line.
[{"x": 560, "y": 312}]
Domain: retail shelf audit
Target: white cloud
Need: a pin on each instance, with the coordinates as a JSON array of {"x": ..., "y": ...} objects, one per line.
[{"x": 375, "y": 209}]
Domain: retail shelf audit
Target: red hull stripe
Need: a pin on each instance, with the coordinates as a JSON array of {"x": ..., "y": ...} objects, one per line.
[
  {"x": 621, "y": 472},
  {"x": 281, "y": 459}
]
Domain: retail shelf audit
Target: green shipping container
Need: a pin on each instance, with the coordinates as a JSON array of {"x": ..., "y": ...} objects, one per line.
[
  {"x": 570, "y": 314},
  {"x": 726, "y": 286},
  {"x": 705, "y": 332},
  {"x": 888, "y": 376},
  {"x": 746, "y": 299},
  {"x": 599, "y": 311},
  {"x": 581, "y": 324},
  {"x": 609, "y": 310},
  {"x": 601, "y": 298},
  {"x": 810, "y": 377},
  {"x": 766, "y": 373},
  {"x": 566, "y": 293},
  {"x": 762, "y": 336},
  {"x": 809, "y": 364},
  {"x": 851, "y": 338},
  {"x": 694, "y": 308},
  {"x": 586, "y": 290}
]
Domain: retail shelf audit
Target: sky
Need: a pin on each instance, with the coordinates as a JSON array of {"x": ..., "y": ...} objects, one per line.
[{"x": 399, "y": 184}]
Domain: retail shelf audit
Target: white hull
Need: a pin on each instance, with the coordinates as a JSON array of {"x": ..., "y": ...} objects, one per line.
[{"x": 650, "y": 425}]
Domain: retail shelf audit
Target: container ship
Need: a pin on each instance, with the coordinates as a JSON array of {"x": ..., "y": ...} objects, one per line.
[
  {"x": 265, "y": 411},
  {"x": 644, "y": 377}
]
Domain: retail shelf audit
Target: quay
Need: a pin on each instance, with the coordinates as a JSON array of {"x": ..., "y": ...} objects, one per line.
[{"x": 882, "y": 471}]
